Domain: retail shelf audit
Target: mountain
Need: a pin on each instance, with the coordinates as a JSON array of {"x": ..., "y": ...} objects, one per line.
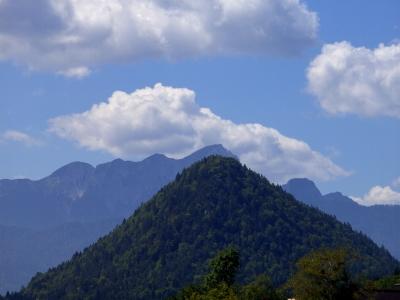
[
  {"x": 78, "y": 192},
  {"x": 166, "y": 243},
  {"x": 380, "y": 222},
  {"x": 44, "y": 222},
  {"x": 24, "y": 252},
  {"x": 304, "y": 190}
]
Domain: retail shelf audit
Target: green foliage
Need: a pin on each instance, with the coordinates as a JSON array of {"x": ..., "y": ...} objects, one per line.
[
  {"x": 219, "y": 292},
  {"x": 387, "y": 282},
  {"x": 260, "y": 289},
  {"x": 219, "y": 282},
  {"x": 223, "y": 268},
  {"x": 324, "y": 275},
  {"x": 215, "y": 203}
]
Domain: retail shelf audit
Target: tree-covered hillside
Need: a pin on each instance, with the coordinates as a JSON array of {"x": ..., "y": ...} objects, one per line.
[{"x": 215, "y": 203}]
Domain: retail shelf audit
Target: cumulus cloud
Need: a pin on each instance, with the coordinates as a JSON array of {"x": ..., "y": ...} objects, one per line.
[
  {"x": 168, "y": 120},
  {"x": 379, "y": 195},
  {"x": 347, "y": 79},
  {"x": 65, "y": 35},
  {"x": 20, "y": 137}
]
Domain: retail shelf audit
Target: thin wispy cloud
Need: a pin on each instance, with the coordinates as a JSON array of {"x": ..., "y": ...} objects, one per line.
[
  {"x": 396, "y": 182},
  {"x": 20, "y": 137}
]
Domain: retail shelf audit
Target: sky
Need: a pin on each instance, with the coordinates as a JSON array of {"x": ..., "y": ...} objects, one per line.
[{"x": 294, "y": 88}]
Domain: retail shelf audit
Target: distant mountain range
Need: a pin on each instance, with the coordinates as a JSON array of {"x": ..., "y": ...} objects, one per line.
[
  {"x": 215, "y": 203},
  {"x": 379, "y": 222},
  {"x": 79, "y": 192},
  {"x": 24, "y": 251},
  {"x": 43, "y": 222}
]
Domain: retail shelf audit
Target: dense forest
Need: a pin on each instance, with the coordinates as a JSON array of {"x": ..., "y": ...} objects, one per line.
[{"x": 214, "y": 204}]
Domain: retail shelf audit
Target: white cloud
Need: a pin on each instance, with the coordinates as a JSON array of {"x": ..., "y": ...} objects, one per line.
[
  {"x": 379, "y": 195},
  {"x": 65, "y": 35},
  {"x": 20, "y": 137},
  {"x": 168, "y": 120},
  {"x": 347, "y": 79}
]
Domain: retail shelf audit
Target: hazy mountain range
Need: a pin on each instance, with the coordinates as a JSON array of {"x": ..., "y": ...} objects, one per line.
[
  {"x": 24, "y": 251},
  {"x": 379, "y": 222},
  {"x": 79, "y": 192}
]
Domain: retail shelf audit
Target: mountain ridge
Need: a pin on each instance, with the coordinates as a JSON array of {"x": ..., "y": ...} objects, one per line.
[
  {"x": 110, "y": 190},
  {"x": 379, "y": 222}
]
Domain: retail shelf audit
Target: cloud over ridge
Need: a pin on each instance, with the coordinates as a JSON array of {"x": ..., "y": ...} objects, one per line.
[
  {"x": 168, "y": 120},
  {"x": 379, "y": 195},
  {"x": 357, "y": 80},
  {"x": 71, "y": 36}
]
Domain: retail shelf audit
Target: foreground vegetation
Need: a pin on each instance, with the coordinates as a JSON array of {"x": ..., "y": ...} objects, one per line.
[
  {"x": 323, "y": 275},
  {"x": 220, "y": 282}
]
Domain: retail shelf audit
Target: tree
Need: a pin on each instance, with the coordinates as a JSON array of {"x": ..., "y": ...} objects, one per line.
[
  {"x": 323, "y": 275},
  {"x": 223, "y": 268},
  {"x": 219, "y": 283},
  {"x": 260, "y": 289}
]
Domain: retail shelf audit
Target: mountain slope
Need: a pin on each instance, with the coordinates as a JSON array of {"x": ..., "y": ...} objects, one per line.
[
  {"x": 24, "y": 252},
  {"x": 380, "y": 222},
  {"x": 215, "y": 203}
]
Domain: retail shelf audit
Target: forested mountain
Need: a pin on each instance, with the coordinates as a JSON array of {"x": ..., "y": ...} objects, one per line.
[
  {"x": 215, "y": 203},
  {"x": 42, "y": 223},
  {"x": 380, "y": 222}
]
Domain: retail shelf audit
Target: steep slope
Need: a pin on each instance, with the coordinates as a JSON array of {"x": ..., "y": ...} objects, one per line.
[
  {"x": 215, "y": 203},
  {"x": 380, "y": 222}
]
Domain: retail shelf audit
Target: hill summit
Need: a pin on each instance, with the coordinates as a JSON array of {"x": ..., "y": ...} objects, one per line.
[{"x": 215, "y": 203}]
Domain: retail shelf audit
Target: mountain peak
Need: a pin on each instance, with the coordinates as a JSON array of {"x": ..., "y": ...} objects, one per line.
[
  {"x": 335, "y": 194},
  {"x": 216, "y": 149},
  {"x": 74, "y": 169},
  {"x": 341, "y": 201},
  {"x": 117, "y": 161},
  {"x": 156, "y": 157},
  {"x": 303, "y": 189}
]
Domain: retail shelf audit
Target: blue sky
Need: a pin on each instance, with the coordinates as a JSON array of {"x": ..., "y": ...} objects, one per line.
[{"x": 262, "y": 84}]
